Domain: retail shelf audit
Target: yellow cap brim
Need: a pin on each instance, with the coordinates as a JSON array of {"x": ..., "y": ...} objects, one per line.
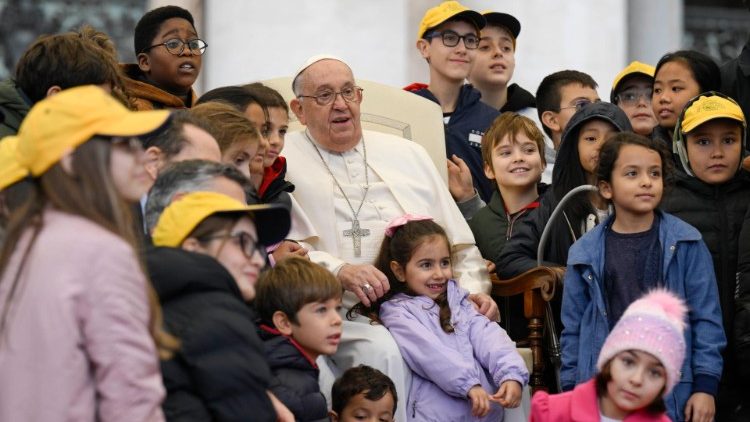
[{"x": 135, "y": 123}]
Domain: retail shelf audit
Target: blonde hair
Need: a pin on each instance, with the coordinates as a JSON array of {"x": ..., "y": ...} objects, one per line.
[{"x": 229, "y": 126}]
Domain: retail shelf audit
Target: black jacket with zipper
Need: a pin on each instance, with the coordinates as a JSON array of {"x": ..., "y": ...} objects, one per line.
[{"x": 220, "y": 371}]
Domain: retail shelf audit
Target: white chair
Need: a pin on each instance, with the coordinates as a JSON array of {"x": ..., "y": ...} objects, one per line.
[{"x": 391, "y": 110}]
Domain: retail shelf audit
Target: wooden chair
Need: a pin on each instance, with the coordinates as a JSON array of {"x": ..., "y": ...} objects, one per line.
[{"x": 538, "y": 287}]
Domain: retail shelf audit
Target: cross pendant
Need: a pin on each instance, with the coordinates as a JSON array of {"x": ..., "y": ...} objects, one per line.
[{"x": 356, "y": 234}]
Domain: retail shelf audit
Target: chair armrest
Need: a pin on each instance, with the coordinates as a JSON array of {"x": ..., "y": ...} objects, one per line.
[
  {"x": 543, "y": 278},
  {"x": 538, "y": 288}
]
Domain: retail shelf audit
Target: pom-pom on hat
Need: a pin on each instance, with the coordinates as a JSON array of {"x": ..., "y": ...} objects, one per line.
[{"x": 653, "y": 324}]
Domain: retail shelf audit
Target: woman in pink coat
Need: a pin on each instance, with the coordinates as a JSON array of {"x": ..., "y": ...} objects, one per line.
[{"x": 76, "y": 318}]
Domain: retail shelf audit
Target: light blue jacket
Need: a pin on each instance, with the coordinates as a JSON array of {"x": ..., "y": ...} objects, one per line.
[
  {"x": 688, "y": 272},
  {"x": 446, "y": 365}
]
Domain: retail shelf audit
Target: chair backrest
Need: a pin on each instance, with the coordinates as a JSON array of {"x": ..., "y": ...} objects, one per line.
[{"x": 391, "y": 110}]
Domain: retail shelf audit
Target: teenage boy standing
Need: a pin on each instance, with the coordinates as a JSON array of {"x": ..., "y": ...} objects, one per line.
[{"x": 447, "y": 39}]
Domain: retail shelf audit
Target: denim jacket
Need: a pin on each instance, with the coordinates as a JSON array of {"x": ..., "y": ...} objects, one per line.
[{"x": 687, "y": 271}]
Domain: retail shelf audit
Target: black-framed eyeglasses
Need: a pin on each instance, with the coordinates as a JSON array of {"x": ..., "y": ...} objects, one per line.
[
  {"x": 451, "y": 39},
  {"x": 350, "y": 95},
  {"x": 176, "y": 46},
  {"x": 247, "y": 243},
  {"x": 579, "y": 104},
  {"x": 631, "y": 97}
]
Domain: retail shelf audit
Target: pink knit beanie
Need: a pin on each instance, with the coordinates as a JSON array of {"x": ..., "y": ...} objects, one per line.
[{"x": 653, "y": 324}]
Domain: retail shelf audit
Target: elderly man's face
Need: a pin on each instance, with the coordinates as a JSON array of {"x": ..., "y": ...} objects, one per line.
[{"x": 336, "y": 126}]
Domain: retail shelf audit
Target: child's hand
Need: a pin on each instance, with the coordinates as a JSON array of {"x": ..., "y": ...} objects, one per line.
[
  {"x": 480, "y": 401},
  {"x": 508, "y": 395},
  {"x": 700, "y": 408}
]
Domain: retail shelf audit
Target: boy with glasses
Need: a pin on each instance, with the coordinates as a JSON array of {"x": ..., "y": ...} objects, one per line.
[
  {"x": 631, "y": 91},
  {"x": 169, "y": 55},
  {"x": 558, "y": 97},
  {"x": 448, "y": 38}
]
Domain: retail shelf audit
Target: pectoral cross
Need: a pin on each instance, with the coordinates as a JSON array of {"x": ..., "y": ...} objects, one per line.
[{"x": 356, "y": 233}]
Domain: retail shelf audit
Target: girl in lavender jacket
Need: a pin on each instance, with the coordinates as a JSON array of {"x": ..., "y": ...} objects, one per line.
[{"x": 465, "y": 366}]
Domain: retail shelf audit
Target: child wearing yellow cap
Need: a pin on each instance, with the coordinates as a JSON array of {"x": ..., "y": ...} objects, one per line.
[
  {"x": 631, "y": 91},
  {"x": 712, "y": 194},
  {"x": 210, "y": 249},
  {"x": 448, "y": 39},
  {"x": 77, "y": 325}
]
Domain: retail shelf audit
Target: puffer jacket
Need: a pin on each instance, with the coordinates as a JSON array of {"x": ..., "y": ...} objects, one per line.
[
  {"x": 718, "y": 212},
  {"x": 220, "y": 371},
  {"x": 295, "y": 376},
  {"x": 464, "y": 132}
]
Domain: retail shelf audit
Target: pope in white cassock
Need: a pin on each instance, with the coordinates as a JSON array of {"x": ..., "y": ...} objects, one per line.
[{"x": 349, "y": 184}]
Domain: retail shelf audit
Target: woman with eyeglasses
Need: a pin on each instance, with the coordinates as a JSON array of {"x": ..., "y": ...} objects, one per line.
[
  {"x": 631, "y": 91},
  {"x": 209, "y": 251},
  {"x": 78, "y": 319}
]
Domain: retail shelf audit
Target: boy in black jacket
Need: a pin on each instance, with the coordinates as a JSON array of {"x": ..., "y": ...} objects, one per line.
[{"x": 298, "y": 303}]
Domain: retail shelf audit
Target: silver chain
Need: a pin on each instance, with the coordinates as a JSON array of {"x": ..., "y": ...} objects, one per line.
[{"x": 367, "y": 178}]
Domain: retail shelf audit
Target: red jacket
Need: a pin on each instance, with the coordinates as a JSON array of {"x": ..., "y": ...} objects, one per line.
[{"x": 579, "y": 405}]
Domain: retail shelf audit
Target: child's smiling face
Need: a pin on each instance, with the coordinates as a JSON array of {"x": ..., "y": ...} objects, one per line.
[{"x": 429, "y": 268}]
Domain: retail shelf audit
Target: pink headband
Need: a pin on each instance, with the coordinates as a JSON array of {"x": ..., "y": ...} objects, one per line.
[{"x": 401, "y": 220}]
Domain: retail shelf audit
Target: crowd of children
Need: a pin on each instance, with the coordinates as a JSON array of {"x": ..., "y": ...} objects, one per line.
[{"x": 146, "y": 273}]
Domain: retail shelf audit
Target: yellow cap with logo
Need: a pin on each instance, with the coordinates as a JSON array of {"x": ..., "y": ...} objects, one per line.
[
  {"x": 62, "y": 122},
  {"x": 448, "y": 10},
  {"x": 185, "y": 213},
  {"x": 10, "y": 170},
  {"x": 708, "y": 108}
]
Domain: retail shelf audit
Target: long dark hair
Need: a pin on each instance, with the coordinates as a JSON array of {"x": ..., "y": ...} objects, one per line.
[
  {"x": 87, "y": 191},
  {"x": 400, "y": 248},
  {"x": 704, "y": 69},
  {"x": 569, "y": 173}
]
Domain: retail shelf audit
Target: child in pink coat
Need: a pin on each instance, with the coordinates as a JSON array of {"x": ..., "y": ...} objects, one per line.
[{"x": 638, "y": 365}]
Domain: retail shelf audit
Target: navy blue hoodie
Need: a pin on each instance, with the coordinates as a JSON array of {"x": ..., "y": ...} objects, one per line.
[{"x": 464, "y": 131}]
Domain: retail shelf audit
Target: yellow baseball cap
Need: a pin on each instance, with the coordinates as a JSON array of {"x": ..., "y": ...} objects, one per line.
[
  {"x": 60, "y": 123},
  {"x": 10, "y": 170},
  {"x": 448, "y": 10},
  {"x": 183, "y": 215},
  {"x": 711, "y": 107},
  {"x": 634, "y": 68}
]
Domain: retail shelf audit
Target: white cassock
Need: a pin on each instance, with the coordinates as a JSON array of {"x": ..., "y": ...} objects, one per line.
[{"x": 402, "y": 178}]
